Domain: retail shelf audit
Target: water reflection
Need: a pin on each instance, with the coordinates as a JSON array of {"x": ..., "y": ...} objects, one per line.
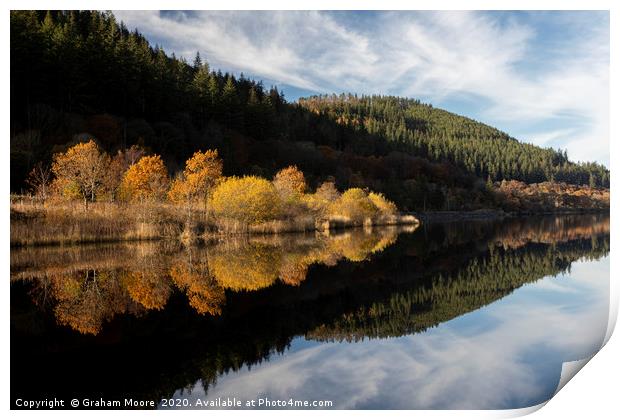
[
  {"x": 91, "y": 285},
  {"x": 303, "y": 302},
  {"x": 505, "y": 355}
]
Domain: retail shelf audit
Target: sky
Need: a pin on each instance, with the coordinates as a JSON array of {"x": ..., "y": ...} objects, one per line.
[{"x": 542, "y": 77}]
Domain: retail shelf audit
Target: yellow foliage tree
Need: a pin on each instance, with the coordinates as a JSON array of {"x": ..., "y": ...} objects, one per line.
[
  {"x": 249, "y": 200},
  {"x": 322, "y": 199},
  {"x": 84, "y": 167},
  {"x": 355, "y": 205},
  {"x": 385, "y": 206},
  {"x": 146, "y": 179}
]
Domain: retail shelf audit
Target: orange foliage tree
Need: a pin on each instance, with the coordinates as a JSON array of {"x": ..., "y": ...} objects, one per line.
[
  {"x": 202, "y": 172},
  {"x": 290, "y": 180},
  {"x": 291, "y": 186},
  {"x": 145, "y": 180}
]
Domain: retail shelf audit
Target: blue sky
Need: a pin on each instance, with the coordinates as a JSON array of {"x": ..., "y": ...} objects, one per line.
[{"x": 543, "y": 77}]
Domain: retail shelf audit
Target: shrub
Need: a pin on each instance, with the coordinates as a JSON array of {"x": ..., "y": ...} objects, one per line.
[
  {"x": 355, "y": 205},
  {"x": 249, "y": 200},
  {"x": 323, "y": 198},
  {"x": 385, "y": 206}
]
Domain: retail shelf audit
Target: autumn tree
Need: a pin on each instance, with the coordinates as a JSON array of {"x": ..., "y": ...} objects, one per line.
[
  {"x": 248, "y": 200},
  {"x": 39, "y": 180},
  {"x": 323, "y": 198},
  {"x": 83, "y": 166},
  {"x": 384, "y": 206},
  {"x": 291, "y": 185},
  {"x": 202, "y": 171},
  {"x": 355, "y": 205},
  {"x": 118, "y": 166},
  {"x": 145, "y": 180},
  {"x": 290, "y": 180}
]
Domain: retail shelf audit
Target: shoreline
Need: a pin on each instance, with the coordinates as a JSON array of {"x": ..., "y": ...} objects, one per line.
[
  {"x": 413, "y": 219},
  {"x": 26, "y": 229},
  {"x": 494, "y": 214}
]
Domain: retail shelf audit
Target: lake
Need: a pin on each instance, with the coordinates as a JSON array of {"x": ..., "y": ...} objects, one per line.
[{"x": 461, "y": 315}]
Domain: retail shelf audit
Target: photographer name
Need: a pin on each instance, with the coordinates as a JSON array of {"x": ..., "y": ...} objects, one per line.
[{"x": 103, "y": 403}]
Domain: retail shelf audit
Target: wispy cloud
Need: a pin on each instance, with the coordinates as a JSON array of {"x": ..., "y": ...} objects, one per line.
[{"x": 520, "y": 70}]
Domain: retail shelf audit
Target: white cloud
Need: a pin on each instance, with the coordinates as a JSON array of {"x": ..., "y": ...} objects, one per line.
[{"x": 519, "y": 78}]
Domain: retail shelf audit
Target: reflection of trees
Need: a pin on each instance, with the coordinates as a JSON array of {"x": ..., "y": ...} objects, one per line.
[
  {"x": 91, "y": 287},
  {"x": 250, "y": 267},
  {"x": 293, "y": 269},
  {"x": 441, "y": 297},
  {"x": 203, "y": 292},
  {"x": 359, "y": 247},
  {"x": 147, "y": 273},
  {"x": 255, "y": 264},
  {"x": 147, "y": 288},
  {"x": 86, "y": 299},
  {"x": 428, "y": 277}
]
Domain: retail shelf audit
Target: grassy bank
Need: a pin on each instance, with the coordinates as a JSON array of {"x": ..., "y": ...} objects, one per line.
[{"x": 36, "y": 223}]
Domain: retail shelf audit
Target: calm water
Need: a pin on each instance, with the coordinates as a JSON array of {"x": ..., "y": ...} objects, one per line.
[{"x": 461, "y": 315}]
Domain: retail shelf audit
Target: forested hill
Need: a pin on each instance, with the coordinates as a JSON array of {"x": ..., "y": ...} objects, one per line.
[
  {"x": 439, "y": 135},
  {"x": 78, "y": 75}
]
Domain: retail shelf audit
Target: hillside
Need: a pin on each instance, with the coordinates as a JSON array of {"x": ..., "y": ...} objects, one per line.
[
  {"x": 437, "y": 135},
  {"x": 79, "y": 75}
]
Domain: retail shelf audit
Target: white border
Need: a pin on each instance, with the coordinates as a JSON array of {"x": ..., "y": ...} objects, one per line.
[{"x": 592, "y": 393}]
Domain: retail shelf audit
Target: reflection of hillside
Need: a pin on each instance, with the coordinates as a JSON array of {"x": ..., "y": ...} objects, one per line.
[
  {"x": 444, "y": 296},
  {"x": 520, "y": 231},
  {"x": 425, "y": 278}
]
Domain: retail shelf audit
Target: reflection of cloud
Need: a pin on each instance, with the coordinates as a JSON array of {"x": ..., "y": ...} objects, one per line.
[
  {"x": 513, "y": 362},
  {"x": 517, "y": 69}
]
